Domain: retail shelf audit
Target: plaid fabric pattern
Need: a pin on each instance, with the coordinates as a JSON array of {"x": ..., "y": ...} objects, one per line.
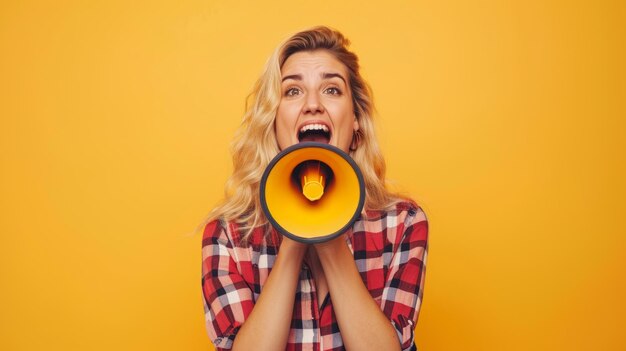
[{"x": 389, "y": 249}]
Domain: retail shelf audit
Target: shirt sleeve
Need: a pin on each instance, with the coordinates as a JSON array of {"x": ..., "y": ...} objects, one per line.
[
  {"x": 403, "y": 291},
  {"x": 227, "y": 298}
]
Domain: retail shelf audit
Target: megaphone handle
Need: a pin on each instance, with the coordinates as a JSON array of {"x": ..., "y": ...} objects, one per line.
[{"x": 313, "y": 176}]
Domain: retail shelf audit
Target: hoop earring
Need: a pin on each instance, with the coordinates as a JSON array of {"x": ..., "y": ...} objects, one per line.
[{"x": 356, "y": 140}]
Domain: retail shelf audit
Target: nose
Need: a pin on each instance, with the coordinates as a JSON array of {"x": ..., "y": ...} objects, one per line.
[{"x": 313, "y": 105}]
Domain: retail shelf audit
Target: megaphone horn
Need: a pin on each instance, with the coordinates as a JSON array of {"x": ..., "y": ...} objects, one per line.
[{"x": 312, "y": 192}]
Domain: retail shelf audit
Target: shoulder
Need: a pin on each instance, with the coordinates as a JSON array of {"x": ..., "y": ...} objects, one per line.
[
  {"x": 400, "y": 212},
  {"x": 401, "y": 219},
  {"x": 220, "y": 231},
  {"x": 233, "y": 234}
]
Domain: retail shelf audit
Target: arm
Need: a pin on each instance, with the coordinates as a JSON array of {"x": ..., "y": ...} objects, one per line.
[
  {"x": 233, "y": 319},
  {"x": 273, "y": 311},
  {"x": 401, "y": 296},
  {"x": 362, "y": 323}
]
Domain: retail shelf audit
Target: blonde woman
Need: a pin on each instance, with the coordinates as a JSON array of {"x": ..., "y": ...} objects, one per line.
[{"x": 359, "y": 291}]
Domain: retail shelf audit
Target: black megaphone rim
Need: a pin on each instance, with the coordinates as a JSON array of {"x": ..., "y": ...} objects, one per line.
[{"x": 312, "y": 144}]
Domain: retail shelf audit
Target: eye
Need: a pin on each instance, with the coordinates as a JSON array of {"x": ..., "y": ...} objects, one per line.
[
  {"x": 333, "y": 91},
  {"x": 292, "y": 92}
]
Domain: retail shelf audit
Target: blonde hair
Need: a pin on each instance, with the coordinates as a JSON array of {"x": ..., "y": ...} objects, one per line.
[{"x": 255, "y": 143}]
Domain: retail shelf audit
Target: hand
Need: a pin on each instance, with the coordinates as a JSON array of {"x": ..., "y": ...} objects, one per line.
[
  {"x": 292, "y": 247},
  {"x": 332, "y": 246}
]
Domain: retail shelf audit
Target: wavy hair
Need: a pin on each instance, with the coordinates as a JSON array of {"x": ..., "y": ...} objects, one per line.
[{"x": 255, "y": 143}]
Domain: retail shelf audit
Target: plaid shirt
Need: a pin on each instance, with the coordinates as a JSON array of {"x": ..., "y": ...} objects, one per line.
[{"x": 389, "y": 249}]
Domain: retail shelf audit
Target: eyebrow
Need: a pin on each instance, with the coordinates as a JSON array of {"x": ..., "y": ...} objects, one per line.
[
  {"x": 324, "y": 75},
  {"x": 333, "y": 75}
]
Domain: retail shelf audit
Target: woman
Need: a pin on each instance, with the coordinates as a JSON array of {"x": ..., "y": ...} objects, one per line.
[{"x": 359, "y": 291}]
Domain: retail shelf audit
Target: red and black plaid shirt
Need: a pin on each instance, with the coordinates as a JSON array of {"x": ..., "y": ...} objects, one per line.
[{"x": 390, "y": 253}]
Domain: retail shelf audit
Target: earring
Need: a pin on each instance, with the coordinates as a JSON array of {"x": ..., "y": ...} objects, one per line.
[{"x": 356, "y": 140}]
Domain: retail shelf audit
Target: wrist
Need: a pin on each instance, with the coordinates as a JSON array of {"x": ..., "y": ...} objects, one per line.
[
  {"x": 292, "y": 250},
  {"x": 331, "y": 247},
  {"x": 334, "y": 251}
]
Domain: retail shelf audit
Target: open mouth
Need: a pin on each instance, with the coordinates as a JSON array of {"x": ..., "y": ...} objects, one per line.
[{"x": 314, "y": 132}]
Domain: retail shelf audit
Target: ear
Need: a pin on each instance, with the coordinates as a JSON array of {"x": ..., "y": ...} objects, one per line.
[{"x": 355, "y": 126}]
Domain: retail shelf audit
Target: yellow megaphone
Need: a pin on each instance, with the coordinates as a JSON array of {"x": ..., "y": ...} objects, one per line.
[{"x": 312, "y": 192}]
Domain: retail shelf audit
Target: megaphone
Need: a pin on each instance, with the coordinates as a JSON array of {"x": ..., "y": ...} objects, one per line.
[{"x": 312, "y": 192}]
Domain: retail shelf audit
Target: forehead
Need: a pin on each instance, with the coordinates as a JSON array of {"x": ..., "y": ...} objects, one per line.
[{"x": 320, "y": 61}]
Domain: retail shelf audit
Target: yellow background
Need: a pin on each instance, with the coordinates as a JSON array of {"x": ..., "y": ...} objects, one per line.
[{"x": 504, "y": 119}]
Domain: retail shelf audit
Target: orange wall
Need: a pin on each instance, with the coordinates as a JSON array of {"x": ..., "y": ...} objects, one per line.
[{"x": 504, "y": 119}]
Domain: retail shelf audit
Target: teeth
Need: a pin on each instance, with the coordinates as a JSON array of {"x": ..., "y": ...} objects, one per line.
[{"x": 314, "y": 127}]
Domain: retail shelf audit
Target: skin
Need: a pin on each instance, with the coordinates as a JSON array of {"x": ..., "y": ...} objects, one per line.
[{"x": 316, "y": 90}]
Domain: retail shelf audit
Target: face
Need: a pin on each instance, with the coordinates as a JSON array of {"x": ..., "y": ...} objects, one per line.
[{"x": 316, "y": 102}]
